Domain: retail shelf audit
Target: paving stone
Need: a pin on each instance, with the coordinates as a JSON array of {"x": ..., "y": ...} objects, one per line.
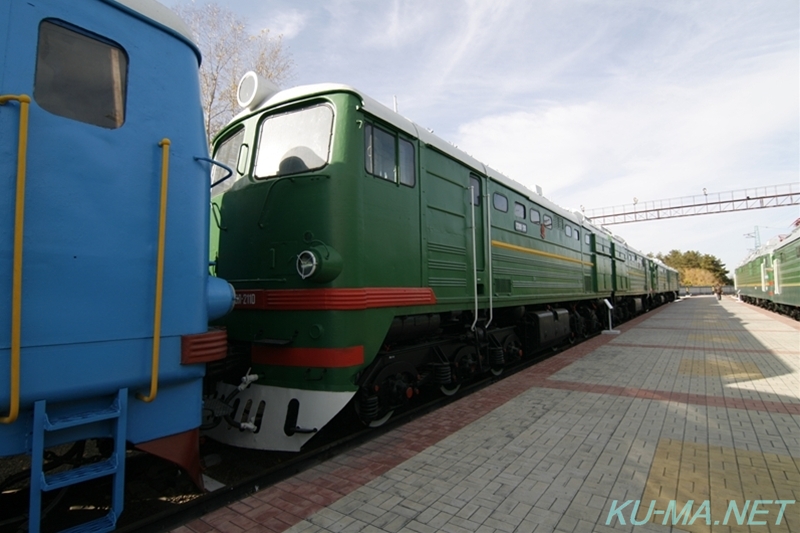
[{"x": 697, "y": 400}]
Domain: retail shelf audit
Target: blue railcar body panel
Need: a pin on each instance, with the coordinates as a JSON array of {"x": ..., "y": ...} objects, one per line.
[{"x": 91, "y": 226}]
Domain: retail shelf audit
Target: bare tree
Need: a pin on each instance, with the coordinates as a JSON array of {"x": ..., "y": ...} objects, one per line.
[{"x": 229, "y": 50}]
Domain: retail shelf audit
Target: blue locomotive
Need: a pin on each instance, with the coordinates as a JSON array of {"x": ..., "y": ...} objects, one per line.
[{"x": 105, "y": 296}]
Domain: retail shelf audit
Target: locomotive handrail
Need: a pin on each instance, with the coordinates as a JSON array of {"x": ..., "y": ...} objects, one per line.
[
  {"x": 489, "y": 255},
  {"x": 19, "y": 219},
  {"x": 162, "y": 226},
  {"x": 217, "y": 163},
  {"x": 474, "y": 256}
]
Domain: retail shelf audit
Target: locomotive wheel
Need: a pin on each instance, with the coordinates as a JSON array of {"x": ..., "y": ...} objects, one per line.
[
  {"x": 393, "y": 387},
  {"x": 382, "y": 420},
  {"x": 365, "y": 417},
  {"x": 466, "y": 362},
  {"x": 512, "y": 347},
  {"x": 450, "y": 389}
]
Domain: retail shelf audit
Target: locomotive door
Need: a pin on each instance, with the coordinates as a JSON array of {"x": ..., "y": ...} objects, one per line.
[
  {"x": 449, "y": 266},
  {"x": 478, "y": 200}
]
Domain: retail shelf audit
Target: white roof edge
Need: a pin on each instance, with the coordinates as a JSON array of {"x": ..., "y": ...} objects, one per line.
[
  {"x": 771, "y": 245},
  {"x": 161, "y": 14},
  {"x": 423, "y": 134},
  {"x": 381, "y": 111}
]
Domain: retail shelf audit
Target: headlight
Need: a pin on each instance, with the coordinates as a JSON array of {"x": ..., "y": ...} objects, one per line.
[
  {"x": 319, "y": 264},
  {"x": 306, "y": 264}
]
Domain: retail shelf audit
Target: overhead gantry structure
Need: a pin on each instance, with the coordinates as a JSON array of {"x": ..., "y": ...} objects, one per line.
[{"x": 703, "y": 204}]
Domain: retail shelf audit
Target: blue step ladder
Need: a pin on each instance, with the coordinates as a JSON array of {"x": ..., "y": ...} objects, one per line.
[{"x": 116, "y": 415}]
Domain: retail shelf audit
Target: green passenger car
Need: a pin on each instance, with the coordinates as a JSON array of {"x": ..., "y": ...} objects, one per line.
[{"x": 372, "y": 259}]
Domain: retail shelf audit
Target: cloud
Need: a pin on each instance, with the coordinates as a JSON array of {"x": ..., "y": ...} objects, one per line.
[
  {"x": 654, "y": 141},
  {"x": 399, "y": 24},
  {"x": 288, "y": 23}
]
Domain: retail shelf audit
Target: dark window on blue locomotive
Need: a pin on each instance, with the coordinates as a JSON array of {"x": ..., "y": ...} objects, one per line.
[
  {"x": 407, "y": 163},
  {"x": 547, "y": 221},
  {"x": 535, "y": 218},
  {"x": 80, "y": 76},
  {"x": 500, "y": 202},
  {"x": 475, "y": 183},
  {"x": 519, "y": 210}
]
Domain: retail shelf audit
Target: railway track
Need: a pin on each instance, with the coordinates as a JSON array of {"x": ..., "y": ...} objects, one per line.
[
  {"x": 159, "y": 496},
  {"x": 348, "y": 432}
]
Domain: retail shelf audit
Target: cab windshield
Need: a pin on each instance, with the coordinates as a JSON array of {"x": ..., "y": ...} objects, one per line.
[{"x": 294, "y": 142}]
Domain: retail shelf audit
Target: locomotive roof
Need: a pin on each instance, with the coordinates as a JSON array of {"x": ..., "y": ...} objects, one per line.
[
  {"x": 162, "y": 16},
  {"x": 373, "y": 107},
  {"x": 775, "y": 243}
]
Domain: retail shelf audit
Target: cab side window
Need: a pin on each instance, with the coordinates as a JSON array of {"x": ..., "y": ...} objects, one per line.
[
  {"x": 80, "y": 76},
  {"x": 406, "y": 162},
  {"x": 389, "y": 157},
  {"x": 500, "y": 202},
  {"x": 475, "y": 183}
]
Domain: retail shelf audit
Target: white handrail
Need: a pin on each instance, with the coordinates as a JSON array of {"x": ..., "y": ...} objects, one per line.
[
  {"x": 474, "y": 256},
  {"x": 489, "y": 253}
]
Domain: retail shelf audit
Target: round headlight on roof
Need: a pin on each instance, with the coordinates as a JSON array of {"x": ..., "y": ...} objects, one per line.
[{"x": 254, "y": 89}]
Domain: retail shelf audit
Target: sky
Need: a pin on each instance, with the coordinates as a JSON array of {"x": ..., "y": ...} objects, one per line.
[{"x": 595, "y": 101}]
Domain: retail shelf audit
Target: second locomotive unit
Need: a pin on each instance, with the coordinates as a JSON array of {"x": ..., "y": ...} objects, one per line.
[
  {"x": 770, "y": 276},
  {"x": 371, "y": 259}
]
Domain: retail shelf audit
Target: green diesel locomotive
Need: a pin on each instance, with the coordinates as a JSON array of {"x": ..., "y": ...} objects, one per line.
[
  {"x": 770, "y": 276},
  {"x": 372, "y": 259}
]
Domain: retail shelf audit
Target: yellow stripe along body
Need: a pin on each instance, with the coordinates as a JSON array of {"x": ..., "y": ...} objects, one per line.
[{"x": 507, "y": 246}]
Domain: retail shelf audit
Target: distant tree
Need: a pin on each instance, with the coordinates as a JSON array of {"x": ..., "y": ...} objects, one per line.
[
  {"x": 229, "y": 50},
  {"x": 696, "y": 268},
  {"x": 697, "y": 277}
]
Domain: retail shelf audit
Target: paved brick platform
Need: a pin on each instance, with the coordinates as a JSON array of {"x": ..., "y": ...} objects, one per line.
[{"x": 689, "y": 420}]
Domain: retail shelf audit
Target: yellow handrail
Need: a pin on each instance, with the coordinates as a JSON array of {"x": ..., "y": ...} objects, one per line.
[
  {"x": 19, "y": 218},
  {"x": 162, "y": 227}
]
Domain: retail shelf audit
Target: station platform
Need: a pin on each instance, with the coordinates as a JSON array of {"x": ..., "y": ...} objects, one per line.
[{"x": 688, "y": 420}]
